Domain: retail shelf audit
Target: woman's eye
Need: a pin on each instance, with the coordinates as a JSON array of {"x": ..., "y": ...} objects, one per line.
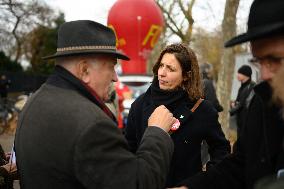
[{"x": 171, "y": 69}]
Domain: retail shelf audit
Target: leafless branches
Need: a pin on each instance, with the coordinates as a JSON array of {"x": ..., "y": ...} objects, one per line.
[
  {"x": 17, "y": 18},
  {"x": 178, "y": 17}
]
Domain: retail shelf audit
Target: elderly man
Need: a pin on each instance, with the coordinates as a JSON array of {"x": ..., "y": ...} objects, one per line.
[
  {"x": 259, "y": 151},
  {"x": 68, "y": 138}
]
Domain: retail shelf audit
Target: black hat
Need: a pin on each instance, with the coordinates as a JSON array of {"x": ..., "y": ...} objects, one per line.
[
  {"x": 266, "y": 18},
  {"x": 245, "y": 70},
  {"x": 85, "y": 37}
]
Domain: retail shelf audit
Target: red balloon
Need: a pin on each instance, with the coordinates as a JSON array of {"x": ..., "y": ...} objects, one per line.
[{"x": 138, "y": 25}]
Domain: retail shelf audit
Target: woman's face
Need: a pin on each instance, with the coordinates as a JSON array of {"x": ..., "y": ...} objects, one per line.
[{"x": 169, "y": 72}]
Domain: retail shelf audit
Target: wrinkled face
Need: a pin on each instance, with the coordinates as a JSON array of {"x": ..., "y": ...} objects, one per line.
[
  {"x": 169, "y": 72},
  {"x": 269, "y": 52},
  {"x": 100, "y": 75}
]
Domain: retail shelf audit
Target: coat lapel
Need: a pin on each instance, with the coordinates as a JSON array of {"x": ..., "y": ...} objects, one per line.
[{"x": 183, "y": 113}]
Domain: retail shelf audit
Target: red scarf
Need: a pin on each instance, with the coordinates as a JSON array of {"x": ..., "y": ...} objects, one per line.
[{"x": 101, "y": 103}]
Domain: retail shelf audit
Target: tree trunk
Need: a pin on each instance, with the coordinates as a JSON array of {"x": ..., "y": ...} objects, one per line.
[{"x": 225, "y": 76}]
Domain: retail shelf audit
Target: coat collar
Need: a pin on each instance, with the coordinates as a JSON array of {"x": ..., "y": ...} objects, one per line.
[
  {"x": 63, "y": 78},
  {"x": 182, "y": 112},
  {"x": 264, "y": 90}
]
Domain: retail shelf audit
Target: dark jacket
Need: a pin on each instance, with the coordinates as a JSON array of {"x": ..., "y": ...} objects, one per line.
[
  {"x": 242, "y": 102},
  {"x": 64, "y": 140},
  {"x": 210, "y": 94},
  {"x": 259, "y": 150},
  {"x": 4, "y": 86},
  {"x": 201, "y": 125},
  {"x": 6, "y": 182}
]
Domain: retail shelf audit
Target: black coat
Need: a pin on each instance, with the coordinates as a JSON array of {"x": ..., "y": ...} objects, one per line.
[
  {"x": 195, "y": 127},
  {"x": 242, "y": 103},
  {"x": 259, "y": 150},
  {"x": 210, "y": 94},
  {"x": 64, "y": 140},
  {"x": 4, "y": 86}
]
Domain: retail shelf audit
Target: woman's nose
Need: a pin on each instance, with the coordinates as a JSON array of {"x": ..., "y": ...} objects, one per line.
[{"x": 162, "y": 72}]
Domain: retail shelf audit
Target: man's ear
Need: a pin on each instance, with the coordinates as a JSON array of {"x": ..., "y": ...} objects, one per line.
[{"x": 83, "y": 71}]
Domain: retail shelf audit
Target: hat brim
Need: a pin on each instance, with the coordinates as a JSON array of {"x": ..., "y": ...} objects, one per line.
[
  {"x": 74, "y": 53},
  {"x": 256, "y": 33}
]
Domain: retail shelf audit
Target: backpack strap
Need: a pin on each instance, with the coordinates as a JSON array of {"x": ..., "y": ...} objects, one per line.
[{"x": 196, "y": 105}]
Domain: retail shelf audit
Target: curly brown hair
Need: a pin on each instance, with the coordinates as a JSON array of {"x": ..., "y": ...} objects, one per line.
[{"x": 190, "y": 69}]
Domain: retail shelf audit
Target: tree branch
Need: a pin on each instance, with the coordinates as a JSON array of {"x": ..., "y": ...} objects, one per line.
[{"x": 170, "y": 23}]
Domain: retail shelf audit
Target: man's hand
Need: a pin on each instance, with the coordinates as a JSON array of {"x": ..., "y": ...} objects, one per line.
[
  {"x": 162, "y": 117},
  {"x": 181, "y": 187}
]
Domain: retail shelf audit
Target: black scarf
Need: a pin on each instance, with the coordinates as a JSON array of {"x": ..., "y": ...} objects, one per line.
[
  {"x": 83, "y": 89},
  {"x": 169, "y": 98}
]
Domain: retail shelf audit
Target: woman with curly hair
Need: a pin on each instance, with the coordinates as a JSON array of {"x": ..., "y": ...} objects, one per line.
[{"x": 177, "y": 85}]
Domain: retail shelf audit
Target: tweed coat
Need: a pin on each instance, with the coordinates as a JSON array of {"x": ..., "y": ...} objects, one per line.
[{"x": 65, "y": 141}]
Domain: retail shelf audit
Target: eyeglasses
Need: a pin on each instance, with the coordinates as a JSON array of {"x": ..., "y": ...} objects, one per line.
[{"x": 266, "y": 61}]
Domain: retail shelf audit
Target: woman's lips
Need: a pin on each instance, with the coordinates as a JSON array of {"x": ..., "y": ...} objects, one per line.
[{"x": 161, "y": 82}]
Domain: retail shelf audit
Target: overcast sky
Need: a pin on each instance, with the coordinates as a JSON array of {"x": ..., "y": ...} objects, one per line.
[{"x": 206, "y": 13}]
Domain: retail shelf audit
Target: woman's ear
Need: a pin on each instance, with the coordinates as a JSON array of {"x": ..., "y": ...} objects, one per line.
[{"x": 188, "y": 74}]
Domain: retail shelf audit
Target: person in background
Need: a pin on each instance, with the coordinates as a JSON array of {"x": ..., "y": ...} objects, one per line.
[
  {"x": 123, "y": 93},
  {"x": 240, "y": 106},
  {"x": 177, "y": 85},
  {"x": 4, "y": 86},
  {"x": 209, "y": 88},
  {"x": 67, "y": 138},
  {"x": 259, "y": 150},
  {"x": 206, "y": 71}
]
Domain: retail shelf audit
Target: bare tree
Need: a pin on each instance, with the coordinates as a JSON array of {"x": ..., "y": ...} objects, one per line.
[
  {"x": 209, "y": 47},
  {"x": 178, "y": 17},
  {"x": 226, "y": 71},
  {"x": 17, "y": 18},
  {"x": 40, "y": 42},
  {"x": 178, "y": 22}
]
